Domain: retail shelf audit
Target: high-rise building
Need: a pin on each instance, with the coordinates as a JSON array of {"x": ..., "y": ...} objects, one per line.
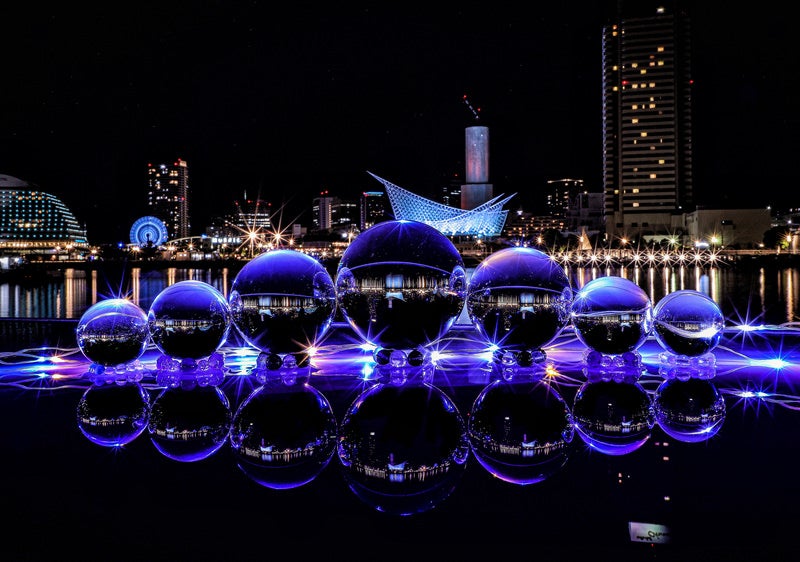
[
  {"x": 477, "y": 190},
  {"x": 560, "y": 194},
  {"x": 168, "y": 196},
  {"x": 253, "y": 215},
  {"x": 322, "y": 211},
  {"x": 373, "y": 208},
  {"x": 647, "y": 120}
]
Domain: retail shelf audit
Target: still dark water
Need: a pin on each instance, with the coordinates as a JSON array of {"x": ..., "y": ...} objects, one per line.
[{"x": 761, "y": 294}]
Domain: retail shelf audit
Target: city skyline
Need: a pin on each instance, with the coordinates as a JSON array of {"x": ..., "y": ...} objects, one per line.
[{"x": 287, "y": 105}]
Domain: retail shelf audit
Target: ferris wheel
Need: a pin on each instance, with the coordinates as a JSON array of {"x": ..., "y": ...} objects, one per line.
[{"x": 148, "y": 230}]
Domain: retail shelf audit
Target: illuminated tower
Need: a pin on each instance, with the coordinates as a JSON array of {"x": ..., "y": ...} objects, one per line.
[
  {"x": 647, "y": 126},
  {"x": 476, "y": 190},
  {"x": 168, "y": 196}
]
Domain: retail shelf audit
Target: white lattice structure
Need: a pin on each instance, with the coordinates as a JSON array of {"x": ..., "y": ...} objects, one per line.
[{"x": 486, "y": 220}]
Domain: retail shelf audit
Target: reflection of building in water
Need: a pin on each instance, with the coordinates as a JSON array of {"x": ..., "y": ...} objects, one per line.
[
  {"x": 172, "y": 324},
  {"x": 265, "y": 305},
  {"x": 176, "y": 434},
  {"x": 270, "y": 453}
]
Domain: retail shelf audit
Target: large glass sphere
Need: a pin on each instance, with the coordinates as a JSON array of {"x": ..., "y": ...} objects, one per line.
[
  {"x": 401, "y": 284},
  {"x": 282, "y": 301},
  {"x": 191, "y": 424},
  {"x": 112, "y": 332},
  {"x": 612, "y": 315},
  {"x": 688, "y": 322},
  {"x": 112, "y": 415},
  {"x": 403, "y": 447},
  {"x": 689, "y": 411},
  {"x": 189, "y": 320},
  {"x": 615, "y": 418},
  {"x": 519, "y": 298},
  {"x": 520, "y": 431},
  {"x": 283, "y": 436}
]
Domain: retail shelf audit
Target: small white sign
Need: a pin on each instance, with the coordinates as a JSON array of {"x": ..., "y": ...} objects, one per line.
[{"x": 648, "y": 532}]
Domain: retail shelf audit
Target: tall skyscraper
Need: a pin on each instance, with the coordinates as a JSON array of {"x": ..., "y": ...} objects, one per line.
[
  {"x": 477, "y": 190},
  {"x": 168, "y": 196},
  {"x": 647, "y": 120}
]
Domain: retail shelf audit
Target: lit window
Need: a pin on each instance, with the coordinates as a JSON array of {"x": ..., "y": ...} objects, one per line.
[
  {"x": 643, "y": 134},
  {"x": 661, "y": 161},
  {"x": 652, "y": 84},
  {"x": 636, "y": 204},
  {"x": 652, "y": 176},
  {"x": 635, "y": 190},
  {"x": 642, "y": 71},
  {"x": 660, "y": 49},
  {"x": 634, "y": 65}
]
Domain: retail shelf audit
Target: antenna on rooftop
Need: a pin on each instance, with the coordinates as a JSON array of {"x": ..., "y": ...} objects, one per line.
[{"x": 475, "y": 111}]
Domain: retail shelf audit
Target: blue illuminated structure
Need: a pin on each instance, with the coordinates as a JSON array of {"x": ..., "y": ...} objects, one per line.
[
  {"x": 148, "y": 230},
  {"x": 485, "y": 220}
]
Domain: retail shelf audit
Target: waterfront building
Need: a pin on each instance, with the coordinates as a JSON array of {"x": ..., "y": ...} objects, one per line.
[
  {"x": 35, "y": 222},
  {"x": 560, "y": 194},
  {"x": 728, "y": 228},
  {"x": 647, "y": 124},
  {"x": 168, "y": 196},
  {"x": 372, "y": 208}
]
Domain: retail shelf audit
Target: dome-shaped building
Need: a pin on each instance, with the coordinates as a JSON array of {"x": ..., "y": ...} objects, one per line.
[{"x": 35, "y": 222}]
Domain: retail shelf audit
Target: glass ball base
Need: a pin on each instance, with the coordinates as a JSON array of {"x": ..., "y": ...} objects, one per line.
[
  {"x": 528, "y": 364},
  {"x": 132, "y": 371},
  {"x": 398, "y": 366},
  {"x": 174, "y": 373},
  {"x": 272, "y": 367},
  {"x": 626, "y": 367},
  {"x": 682, "y": 367}
]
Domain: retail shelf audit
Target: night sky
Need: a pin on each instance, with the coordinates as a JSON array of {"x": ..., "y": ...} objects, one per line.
[{"x": 286, "y": 102}]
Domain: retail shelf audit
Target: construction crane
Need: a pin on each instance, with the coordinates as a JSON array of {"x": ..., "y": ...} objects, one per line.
[{"x": 475, "y": 111}]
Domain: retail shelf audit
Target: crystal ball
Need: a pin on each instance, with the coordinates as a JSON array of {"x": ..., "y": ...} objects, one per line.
[
  {"x": 112, "y": 332},
  {"x": 520, "y": 431},
  {"x": 282, "y": 301},
  {"x": 401, "y": 284},
  {"x": 519, "y": 298},
  {"x": 283, "y": 436},
  {"x": 612, "y": 315},
  {"x": 615, "y": 418},
  {"x": 690, "y": 411},
  {"x": 112, "y": 415},
  {"x": 188, "y": 425},
  {"x": 688, "y": 322},
  {"x": 189, "y": 320},
  {"x": 403, "y": 448}
]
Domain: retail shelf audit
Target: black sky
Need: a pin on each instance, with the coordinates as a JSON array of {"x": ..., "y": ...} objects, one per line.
[{"x": 291, "y": 101}]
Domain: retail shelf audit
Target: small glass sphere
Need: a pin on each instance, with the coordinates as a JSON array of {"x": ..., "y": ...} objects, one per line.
[
  {"x": 519, "y": 298},
  {"x": 520, "y": 431},
  {"x": 282, "y": 301},
  {"x": 401, "y": 284},
  {"x": 283, "y": 437},
  {"x": 190, "y": 424},
  {"x": 688, "y": 322},
  {"x": 189, "y": 320},
  {"x": 403, "y": 447},
  {"x": 690, "y": 411},
  {"x": 612, "y": 315},
  {"x": 112, "y": 415},
  {"x": 614, "y": 418},
  {"x": 112, "y": 332}
]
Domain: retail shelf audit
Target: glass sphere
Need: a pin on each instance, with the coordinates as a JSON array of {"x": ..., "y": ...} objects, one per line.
[
  {"x": 189, "y": 320},
  {"x": 688, "y": 322},
  {"x": 614, "y": 418},
  {"x": 520, "y": 431},
  {"x": 112, "y": 332},
  {"x": 112, "y": 415},
  {"x": 519, "y": 298},
  {"x": 403, "y": 447},
  {"x": 401, "y": 284},
  {"x": 612, "y": 315},
  {"x": 690, "y": 411},
  {"x": 284, "y": 436},
  {"x": 282, "y": 301},
  {"x": 191, "y": 424}
]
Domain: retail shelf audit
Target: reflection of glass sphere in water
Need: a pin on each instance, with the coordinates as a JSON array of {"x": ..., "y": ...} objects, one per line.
[
  {"x": 112, "y": 332},
  {"x": 688, "y": 323},
  {"x": 691, "y": 411},
  {"x": 113, "y": 415},
  {"x": 189, "y": 425},
  {"x": 520, "y": 431},
  {"x": 284, "y": 436},
  {"x": 401, "y": 284},
  {"x": 403, "y": 448},
  {"x": 612, "y": 315},
  {"x": 189, "y": 320},
  {"x": 519, "y": 298},
  {"x": 282, "y": 301},
  {"x": 613, "y": 417}
]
